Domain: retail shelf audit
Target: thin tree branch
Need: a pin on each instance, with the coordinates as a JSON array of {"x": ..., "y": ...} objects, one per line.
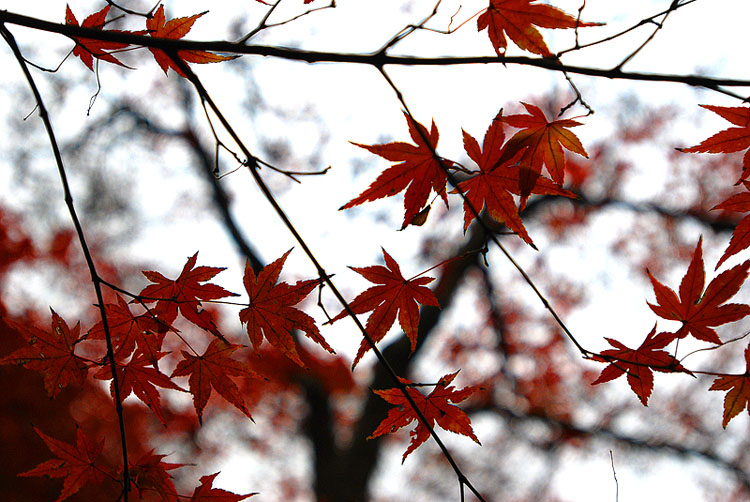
[
  {"x": 372, "y": 59},
  {"x": 95, "y": 279},
  {"x": 455, "y": 184},
  {"x": 325, "y": 277}
]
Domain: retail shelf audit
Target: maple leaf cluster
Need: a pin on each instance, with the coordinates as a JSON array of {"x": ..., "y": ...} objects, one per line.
[
  {"x": 157, "y": 26},
  {"x": 699, "y": 311},
  {"x": 136, "y": 340},
  {"x": 64, "y": 356},
  {"x": 506, "y": 168}
]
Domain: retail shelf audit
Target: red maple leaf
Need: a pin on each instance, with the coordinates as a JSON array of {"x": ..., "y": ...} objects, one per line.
[
  {"x": 699, "y": 311},
  {"x": 134, "y": 376},
  {"x": 159, "y": 27},
  {"x": 435, "y": 407},
  {"x": 392, "y": 295},
  {"x": 141, "y": 333},
  {"x": 77, "y": 464},
  {"x": 270, "y": 310},
  {"x": 741, "y": 235},
  {"x": 543, "y": 142},
  {"x": 51, "y": 353},
  {"x": 516, "y": 19},
  {"x": 497, "y": 180},
  {"x": 206, "y": 493},
  {"x": 185, "y": 294},
  {"x": 729, "y": 140},
  {"x": 738, "y": 387},
  {"x": 213, "y": 369},
  {"x": 87, "y": 48},
  {"x": 150, "y": 474},
  {"x": 640, "y": 363},
  {"x": 419, "y": 171}
]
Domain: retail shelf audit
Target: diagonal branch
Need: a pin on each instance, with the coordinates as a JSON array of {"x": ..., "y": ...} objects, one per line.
[{"x": 325, "y": 277}]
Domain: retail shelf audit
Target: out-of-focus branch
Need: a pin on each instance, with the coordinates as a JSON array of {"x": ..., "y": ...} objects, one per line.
[
  {"x": 568, "y": 429},
  {"x": 716, "y": 224}
]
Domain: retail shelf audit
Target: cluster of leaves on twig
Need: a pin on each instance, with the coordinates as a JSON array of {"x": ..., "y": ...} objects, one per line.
[{"x": 125, "y": 347}]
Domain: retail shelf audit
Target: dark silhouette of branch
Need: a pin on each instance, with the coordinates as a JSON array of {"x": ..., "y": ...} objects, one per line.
[
  {"x": 95, "y": 278},
  {"x": 376, "y": 59},
  {"x": 325, "y": 277}
]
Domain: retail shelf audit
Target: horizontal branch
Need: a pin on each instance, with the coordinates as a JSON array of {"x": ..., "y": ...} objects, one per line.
[
  {"x": 651, "y": 444},
  {"x": 717, "y": 224},
  {"x": 377, "y": 59}
]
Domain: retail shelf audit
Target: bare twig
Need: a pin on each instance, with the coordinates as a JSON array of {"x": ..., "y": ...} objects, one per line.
[
  {"x": 648, "y": 20},
  {"x": 614, "y": 475},
  {"x": 659, "y": 26},
  {"x": 263, "y": 25}
]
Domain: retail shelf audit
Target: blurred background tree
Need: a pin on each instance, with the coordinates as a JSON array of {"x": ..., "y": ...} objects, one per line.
[{"x": 153, "y": 185}]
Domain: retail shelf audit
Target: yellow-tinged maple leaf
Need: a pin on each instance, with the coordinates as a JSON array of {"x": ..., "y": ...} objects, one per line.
[
  {"x": 543, "y": 143},
  {"x": 738, "y": 387},
  {"x": 516, "y": 18},
  {"x": 498, "y": 179},
  {"x": 159, "y": 27}
]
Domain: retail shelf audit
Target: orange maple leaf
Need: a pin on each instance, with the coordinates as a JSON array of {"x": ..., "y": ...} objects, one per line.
[
  {"x": 435, "y": 407},
  {"x": 741, "y": 235},
  {"x": 738, "y": 387},
  {"x": 77, "y": 464},
  {"x": 543, "y": 142},
  {"x": 87, "y": 48},
  {"x": 51, "y": 353},
  {"x": 135, "y": 376},
  {"x": 207, "y": 493},
  {"x": 640, "y": 363},
  {"x": 159, "y": 27},
  {"x": 213, "y": 369},
  {"x": 393, "y": 295},
  {"x": 270, "y": 310},
  {"x": 729, "y": 140},
  {"x": 419, "y": 172},
  {"x": 185, "y": 294},
  {"x": 150, "y": 474},
  {"x": 497, "y": 180},
  {"x": 699, "y": 311},
  {"x": 516, "y": 19}
]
